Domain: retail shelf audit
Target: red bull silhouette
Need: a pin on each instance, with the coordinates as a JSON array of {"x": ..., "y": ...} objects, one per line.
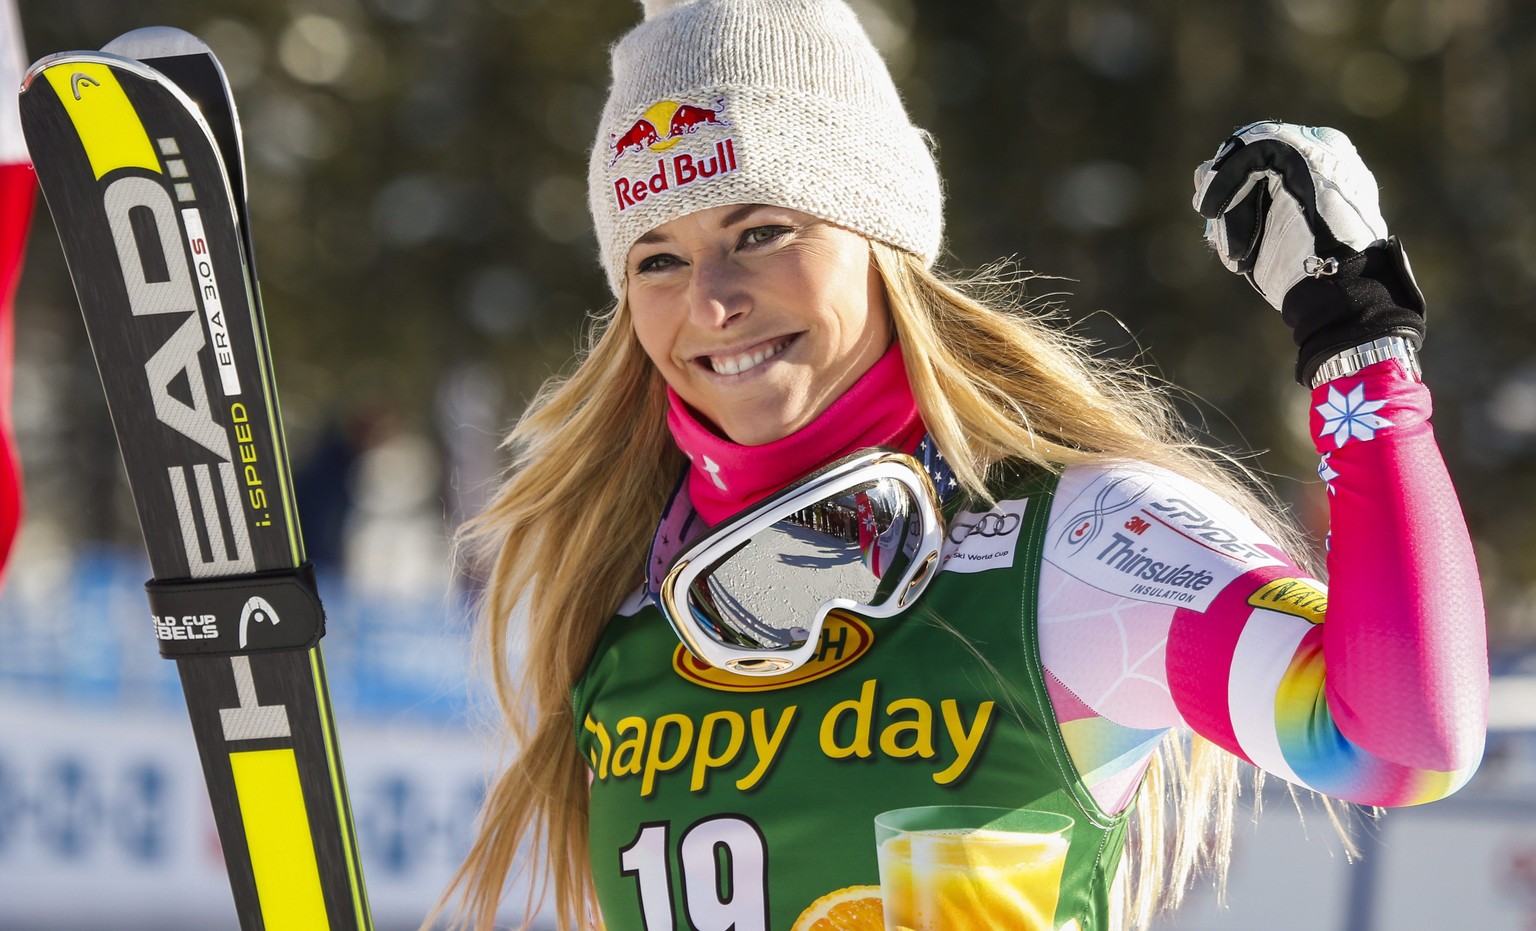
[
  {"x": 639, "y": 137},
  {"x": 680, "y": 119},
  {"x": 689, "y": 118}
]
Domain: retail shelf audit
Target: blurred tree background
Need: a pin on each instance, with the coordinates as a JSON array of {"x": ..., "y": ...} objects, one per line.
[{"x": 417, "y": 179}]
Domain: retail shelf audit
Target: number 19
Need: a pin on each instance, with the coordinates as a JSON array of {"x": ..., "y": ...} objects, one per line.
[{"x": 725, "y": 875}]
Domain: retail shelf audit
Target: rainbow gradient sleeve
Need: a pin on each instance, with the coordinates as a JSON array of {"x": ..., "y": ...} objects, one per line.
[{"x": 1375, "y": 689}]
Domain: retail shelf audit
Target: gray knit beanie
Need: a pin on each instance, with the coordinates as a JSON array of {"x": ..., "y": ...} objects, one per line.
[{"x": 781, "y": 102}]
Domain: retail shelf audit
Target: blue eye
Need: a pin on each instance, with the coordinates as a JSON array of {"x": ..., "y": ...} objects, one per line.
[
  {"x": 656, "y": 262},
  {"x": 758, "y": 235}
]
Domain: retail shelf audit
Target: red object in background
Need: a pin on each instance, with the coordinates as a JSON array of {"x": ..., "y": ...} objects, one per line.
[{"x": 18, "y": 191}]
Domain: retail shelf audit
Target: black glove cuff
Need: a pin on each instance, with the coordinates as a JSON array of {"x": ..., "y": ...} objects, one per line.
[{"x": 1371, "y": 295}]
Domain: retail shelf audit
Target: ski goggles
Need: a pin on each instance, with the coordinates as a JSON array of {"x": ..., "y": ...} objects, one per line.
[{"x": 751, "y": 596}]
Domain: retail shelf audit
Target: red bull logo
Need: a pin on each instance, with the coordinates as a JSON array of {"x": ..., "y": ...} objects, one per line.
[{"x": 663, "y": 125}]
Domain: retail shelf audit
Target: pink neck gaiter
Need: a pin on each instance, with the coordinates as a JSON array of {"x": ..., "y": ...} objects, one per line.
[{"x": 724, "y": 478}]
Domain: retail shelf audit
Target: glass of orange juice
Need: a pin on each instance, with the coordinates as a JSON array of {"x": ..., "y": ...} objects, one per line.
[{"x": 971, "y": 868}]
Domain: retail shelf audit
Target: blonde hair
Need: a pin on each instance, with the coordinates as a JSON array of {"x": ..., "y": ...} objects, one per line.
[{"x": 993, "y": 380}]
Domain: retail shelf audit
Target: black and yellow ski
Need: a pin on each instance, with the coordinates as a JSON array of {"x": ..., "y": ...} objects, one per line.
[{"x": 137, "y": 151}]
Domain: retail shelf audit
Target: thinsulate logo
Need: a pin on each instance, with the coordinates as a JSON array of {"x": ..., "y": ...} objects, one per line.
[{"x": 844, "y": 638}]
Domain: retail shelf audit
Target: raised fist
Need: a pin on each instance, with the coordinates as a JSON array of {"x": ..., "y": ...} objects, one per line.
[{"x": 1294, "y": 210}]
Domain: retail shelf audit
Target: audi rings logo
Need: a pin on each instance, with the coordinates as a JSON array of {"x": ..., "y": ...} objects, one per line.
[
  {"x": 990, "y": 524},
  {"x": 981, "y": 542}
]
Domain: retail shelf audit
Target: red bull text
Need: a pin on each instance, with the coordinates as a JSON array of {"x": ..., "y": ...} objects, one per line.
[
  {"x": 674, "y": 172},
  {"x": 663, "y": 125}
]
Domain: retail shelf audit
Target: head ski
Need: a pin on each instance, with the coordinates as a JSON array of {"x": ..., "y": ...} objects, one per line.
[
  {"x": 146, "y": 186},
  {"x": 188, "y": 63}
]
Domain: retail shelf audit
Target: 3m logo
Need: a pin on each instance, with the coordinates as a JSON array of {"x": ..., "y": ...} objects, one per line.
[
  {"x": 1293, "y": 597},
  {"x": 844, "y": 638}
]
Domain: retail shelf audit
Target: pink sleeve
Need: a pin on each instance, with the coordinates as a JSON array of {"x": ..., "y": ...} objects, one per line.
[
  {"x": 1409, "y": 667},
  {"x": 1386, "y": 702}
]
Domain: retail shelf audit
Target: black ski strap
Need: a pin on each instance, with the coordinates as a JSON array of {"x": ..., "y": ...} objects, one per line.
[{"x": 232, "y": 615}]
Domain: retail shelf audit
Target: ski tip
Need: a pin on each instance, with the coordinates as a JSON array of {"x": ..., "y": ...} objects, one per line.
[
  {"x": 37, "y": 68},
  {"x": 156, "y": 42}
]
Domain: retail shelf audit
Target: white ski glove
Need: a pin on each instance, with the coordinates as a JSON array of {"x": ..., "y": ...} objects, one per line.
[{"x": 1294, "y": 210}]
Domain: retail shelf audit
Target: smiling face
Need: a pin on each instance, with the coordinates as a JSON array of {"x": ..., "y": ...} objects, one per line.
[{"x": 758, "y": 317}]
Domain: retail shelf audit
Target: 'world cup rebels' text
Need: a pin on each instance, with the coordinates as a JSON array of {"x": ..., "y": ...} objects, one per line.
[
  {"x": 744, "y": 747},
  {"x": 1174, "y": 583},
  {"x": 675, "y": 172}
]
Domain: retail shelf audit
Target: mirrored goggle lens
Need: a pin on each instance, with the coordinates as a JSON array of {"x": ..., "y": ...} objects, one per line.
[{"x": 857, "y": 545}]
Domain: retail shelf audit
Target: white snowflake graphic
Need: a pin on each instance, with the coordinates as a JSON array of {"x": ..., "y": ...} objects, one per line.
[
  {"x": 1351, "y": 416},
  {"x": 1326, "y": 472}
]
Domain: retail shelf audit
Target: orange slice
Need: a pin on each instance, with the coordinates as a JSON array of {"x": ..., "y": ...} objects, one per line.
[{"x": 853, "y": 908}]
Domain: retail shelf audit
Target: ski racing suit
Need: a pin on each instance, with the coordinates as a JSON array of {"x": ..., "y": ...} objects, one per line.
[{"x": 1072, "y": 626}]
